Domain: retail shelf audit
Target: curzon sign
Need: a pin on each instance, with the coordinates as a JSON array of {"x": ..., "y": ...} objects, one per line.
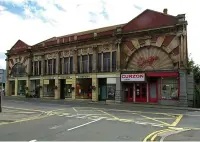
[{"x": 133, "y": 77}]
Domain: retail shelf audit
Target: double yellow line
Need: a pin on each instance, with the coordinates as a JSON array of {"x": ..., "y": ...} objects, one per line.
[{"x": 152, "y": 136}]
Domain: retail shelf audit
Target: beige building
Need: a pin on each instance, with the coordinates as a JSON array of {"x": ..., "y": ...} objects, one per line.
[{"x": 144, "y": 60}]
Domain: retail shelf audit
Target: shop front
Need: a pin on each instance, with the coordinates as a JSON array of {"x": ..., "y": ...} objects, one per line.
[
  {"x": 35, "y": 87},
  {"x": 49, "y": 87},
  {"x": 107, "y": 86},
  {"x": 83, "y": 87},
  {"x": 66, "y": 88},
  {"x": 150, "y": 86}
]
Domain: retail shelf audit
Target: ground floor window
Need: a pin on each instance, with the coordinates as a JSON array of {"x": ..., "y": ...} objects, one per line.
[
  {"x": 84, "y": 88},
  {"x": 107, "y": 88},
  {"x": 21, "y": 87},
  {"x": 49, "y": 88},
  {"x": 111, "y": 91},
  {"x": 169, "y": 88},
  {"x": 68, "y": 91}
]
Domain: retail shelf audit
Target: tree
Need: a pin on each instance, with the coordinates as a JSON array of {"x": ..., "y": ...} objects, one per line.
[{"x": 195, "y": 69}]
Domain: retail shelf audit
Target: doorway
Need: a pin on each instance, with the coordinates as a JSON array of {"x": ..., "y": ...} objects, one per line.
[
  {"x": 65, "y": 89},
  {"x": 102, "y": 89},
  {"x": 128, "y": 92},
  {"x": 141, "y": 92},
  {"x": 62, "y": 89}
]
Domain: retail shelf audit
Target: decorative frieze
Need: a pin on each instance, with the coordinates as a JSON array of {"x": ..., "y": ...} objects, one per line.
[
  {"x": 37, "y": 58},
  {"x": 105, "y": 48},
  {"x": 66, "y": 53},
  {"x": 84, "y": 51},
  {"x": 51, "y": 56}
]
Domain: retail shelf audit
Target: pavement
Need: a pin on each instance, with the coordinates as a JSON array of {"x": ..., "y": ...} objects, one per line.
[{"x": 33, "y": 120}]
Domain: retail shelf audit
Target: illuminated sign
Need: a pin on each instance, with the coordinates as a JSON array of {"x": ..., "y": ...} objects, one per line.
[{"x": 133, "y": 77}]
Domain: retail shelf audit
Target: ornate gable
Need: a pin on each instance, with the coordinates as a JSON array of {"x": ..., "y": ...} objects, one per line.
[
  {"x": 19, "y": 45},
  {"x": 150, "y": 19}
]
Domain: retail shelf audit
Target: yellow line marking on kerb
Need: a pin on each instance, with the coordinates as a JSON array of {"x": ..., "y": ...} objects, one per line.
[{"x": 178, "y": 119}]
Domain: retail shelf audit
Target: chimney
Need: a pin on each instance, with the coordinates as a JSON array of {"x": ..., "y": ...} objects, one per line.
[{"x": 165, "y": 11}]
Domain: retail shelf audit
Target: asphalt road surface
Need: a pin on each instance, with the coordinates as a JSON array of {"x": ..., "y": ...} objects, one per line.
[{"x": 72, "y": 122}]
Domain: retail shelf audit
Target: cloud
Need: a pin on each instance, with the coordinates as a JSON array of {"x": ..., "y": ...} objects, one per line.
[
  {"x": 35, "y": 20},
  {"x": 2, "y": 60}
]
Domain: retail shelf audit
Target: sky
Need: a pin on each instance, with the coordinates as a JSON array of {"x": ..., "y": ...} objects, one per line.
[{"x": 33, "y": 21}]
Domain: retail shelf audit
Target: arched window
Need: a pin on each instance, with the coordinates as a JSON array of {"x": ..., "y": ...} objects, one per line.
[{"x": 18, "y": 70}]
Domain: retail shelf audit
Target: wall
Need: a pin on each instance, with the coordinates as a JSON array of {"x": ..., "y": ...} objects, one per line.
[{"x": 190, "y": 89}]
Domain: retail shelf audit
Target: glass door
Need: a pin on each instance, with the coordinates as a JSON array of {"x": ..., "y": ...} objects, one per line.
[
  {"x": 141, "y": 92},
  {"x": 130, "y": 94}
]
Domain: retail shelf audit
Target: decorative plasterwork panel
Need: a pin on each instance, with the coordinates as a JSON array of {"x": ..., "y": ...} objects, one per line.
[
  {"x": 37, "y": 58},
  {"x": 105, "y": 48},
  {"x": 167, "y": 43},
  {"x": 50, "y": 56},
  {"x": 150, "y": 59},
  {"x": 84, "y": 51},
  {"x": 17, "y": 59}
]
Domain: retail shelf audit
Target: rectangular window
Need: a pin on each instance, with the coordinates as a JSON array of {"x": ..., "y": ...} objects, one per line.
[
  {"x": 99, "y": 62},
  {"x": 40, "y": 67},
  {"x": 61, "y": 67},
  {"x": 66, "y": 64},
  {"x": 111, "y": 88},
  {"x": 169, "y": 88},
  {"x": 71, "y": 65},
  {"x": 54, "y": 66},
  {"x": 78, "y": 64},
  {"x": 106, "y": 62},
  {"x": 50, "y": 65},
  {"x": 114, "y": 61},
  {"x": 36, "y": 67},
  {"x": 85, "y": 63},
  {"x": 32, "y": 64},
  {"x": 90, "y": 63},
  {"x": 45, "y": 66}
]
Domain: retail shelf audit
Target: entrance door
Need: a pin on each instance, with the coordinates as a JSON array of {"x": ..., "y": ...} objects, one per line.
[
  {"x": 129, "y": 94},
  {"x": 62, "y": 89},
  {"x": 102, "y": 89},
  {"x": 153, "y": 97},
  {"x": 141, "y": 92}
]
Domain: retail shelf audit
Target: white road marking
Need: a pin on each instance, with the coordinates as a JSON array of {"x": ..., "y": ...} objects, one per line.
[
  {"x": 72, "y": 115},
  {"x": 55, "y": 127},
  {"x": 84, "y": 124},
  {"x": 157, "y": 125},
  {"x": 75, "y": 110},
  {"x": 33, "y": 141}
]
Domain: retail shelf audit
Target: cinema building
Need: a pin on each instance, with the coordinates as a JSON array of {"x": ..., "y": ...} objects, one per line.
[{"x": 144, "y": 60}]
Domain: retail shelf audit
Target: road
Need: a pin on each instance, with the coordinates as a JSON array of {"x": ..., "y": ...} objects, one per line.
[{"x": 72, "y": 122}]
